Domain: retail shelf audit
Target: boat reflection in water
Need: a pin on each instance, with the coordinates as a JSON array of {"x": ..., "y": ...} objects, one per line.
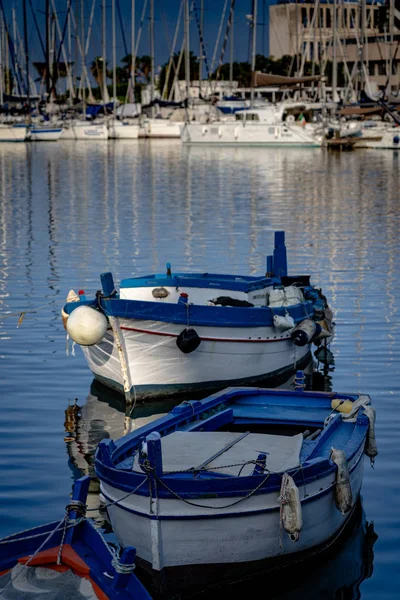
[{"x": 104, "y": 414}]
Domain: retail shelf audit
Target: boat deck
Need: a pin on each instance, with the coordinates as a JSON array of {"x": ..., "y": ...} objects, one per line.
[{"x": 227, "y": 453}]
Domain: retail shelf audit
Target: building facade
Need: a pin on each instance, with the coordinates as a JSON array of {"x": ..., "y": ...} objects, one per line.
[{"x": 366, "y": 33}]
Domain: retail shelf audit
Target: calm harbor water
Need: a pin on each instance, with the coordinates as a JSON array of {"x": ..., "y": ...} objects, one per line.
[{"x": 70, "y": 210}]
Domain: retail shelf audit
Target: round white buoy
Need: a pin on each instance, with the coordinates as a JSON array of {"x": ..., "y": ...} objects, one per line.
[{"x": 86, "y": 326}]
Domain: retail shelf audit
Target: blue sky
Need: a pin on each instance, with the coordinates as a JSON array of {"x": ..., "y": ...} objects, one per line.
[{"x": 166, "y": 13}]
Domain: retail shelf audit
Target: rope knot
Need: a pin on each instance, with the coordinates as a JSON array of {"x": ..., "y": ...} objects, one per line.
[{"x": 122, "y": 568}]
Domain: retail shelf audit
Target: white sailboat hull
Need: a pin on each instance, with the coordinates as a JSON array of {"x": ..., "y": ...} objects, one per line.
[
  {"x": 12, "y": 134},
  {"x": 85, "y": 132},
  {"x": 171, "y": 533},
  {"x": 158, "y": 367},
  {"x": 45, "y": 134},
  {"x": 251, "y": 133},
  {"x": 161, "y": 128},
  {"x": 123, "y": 131}
]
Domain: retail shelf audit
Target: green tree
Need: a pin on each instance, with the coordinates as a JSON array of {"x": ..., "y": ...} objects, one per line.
[
  {"x": 96, "y": 69},
  {"x": 194, "y": 70}
]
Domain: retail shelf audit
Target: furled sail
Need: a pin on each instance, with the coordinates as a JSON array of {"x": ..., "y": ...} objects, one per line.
[{"x": 265, "y": 79}]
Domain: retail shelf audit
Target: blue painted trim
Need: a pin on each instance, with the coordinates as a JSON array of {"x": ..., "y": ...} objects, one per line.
[
  {"x": 113, "y": 460},
  {"x": 37, "y": 131},
  {"x": 217, "y": 515},
  {"x": 205, "y": 316},
  {"x": 201, "y": 280}
]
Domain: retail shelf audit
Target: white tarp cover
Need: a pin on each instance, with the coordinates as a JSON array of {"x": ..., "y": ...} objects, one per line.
[
  {"x": 129, "y": 110},
  {"x": 40, "y": 583},
  {"x": 183, "y": 450}
]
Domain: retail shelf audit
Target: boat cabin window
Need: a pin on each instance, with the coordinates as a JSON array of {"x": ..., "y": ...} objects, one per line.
[
  {"x": 252, "y": 117},
  {"x": 247, "y": 117}
]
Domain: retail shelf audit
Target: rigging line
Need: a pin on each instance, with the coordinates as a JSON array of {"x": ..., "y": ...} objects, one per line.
[
  {"x": 37, "y": 28},
  {"x": 171, "y": 60},
  {"x": 64, "y": 31},
  {"x": 89, "y": 33},
  {"x": 139, "y": 35},
  {"x": 227, "y": 30},
  {"x": 122, "y": 28},
  {"x": 11, "y": 47},
  {"x": 201, "y": 39},
  {"x": 219, "y": 34}
]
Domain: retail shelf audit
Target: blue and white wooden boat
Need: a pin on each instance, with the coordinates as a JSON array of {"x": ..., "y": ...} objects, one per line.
[
  {"x": 163, "y": 334},
  {"x": 239, "y": 479},
  {"x": 69, "y": 558},
  {"x": 44, "y": 133}
]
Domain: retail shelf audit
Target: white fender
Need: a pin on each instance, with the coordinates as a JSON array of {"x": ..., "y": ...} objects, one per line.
[
  {"x": 283, "y": 323},
  {"x": 86, "y": 325},
  {"x": 291, "y": 515},
  {"x": 343, "y": 494},
  {"x": 371, "y": 449}
]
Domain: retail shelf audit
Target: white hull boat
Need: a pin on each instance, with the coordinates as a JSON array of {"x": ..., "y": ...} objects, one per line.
[
  {"x": 165, "y": 334},
  {"x": 85, "y": 131},
  {"x": 122, "y": 130},
  {"x": 263, "y": 126},
  {"x": 160, "y": 128},
  {"x": 240, "y": 478},
  {"x": 44, "y": 134},
  {"x": 251, "y": 134},
  {"x": 9, "y": 133},
  {"x": 386, "y": 138}
]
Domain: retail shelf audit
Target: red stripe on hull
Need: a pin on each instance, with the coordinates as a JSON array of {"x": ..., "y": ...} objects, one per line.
[{"x": 207, "y": 339}]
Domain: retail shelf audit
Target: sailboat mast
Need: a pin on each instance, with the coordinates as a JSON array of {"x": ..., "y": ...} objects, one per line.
[
  {"x": 187, "y": 45},
  {"x": 1, "y": 62},
  {"x": 47, "y": 17},
  {"x": 253, "y": 51},
  {"x": 104, "y": 74},
  {"x": 334, "y": 51},
  {"x": 231, "y": 52},
  {"x": 201, "y": 45},
  {"x": 152, "y": 85},
  {"x": 26, "y": 56},
  {"x": 133, "y": 57},
  {"x": 114, "y": 57},
  {"x": 362, "y": 44}
]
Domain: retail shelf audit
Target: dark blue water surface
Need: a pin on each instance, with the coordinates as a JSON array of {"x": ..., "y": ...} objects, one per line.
[{"x": 70, "y": 210}]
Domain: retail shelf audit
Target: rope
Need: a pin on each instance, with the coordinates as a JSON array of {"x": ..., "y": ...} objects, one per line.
[
  {"x": 12, "y": 579},
  {"x": 21, "y": 314},
  {"x": 115, "y": 502},
  {"x": 215, "y": 507},
  {"x": 11, "y": 539},
  {"x": 121, "y": 568}
]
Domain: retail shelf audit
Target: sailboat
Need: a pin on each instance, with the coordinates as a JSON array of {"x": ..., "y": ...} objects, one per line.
[
  {"x": 158, "y": 126},
  {"x": 119, "y": 129}
]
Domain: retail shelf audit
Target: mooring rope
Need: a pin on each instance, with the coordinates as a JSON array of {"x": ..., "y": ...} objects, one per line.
[{"x": 12, "y": 579}]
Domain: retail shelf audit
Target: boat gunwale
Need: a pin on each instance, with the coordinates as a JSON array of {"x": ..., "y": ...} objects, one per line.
[
  {"x": 110, "y": 453},
  {"x": 299, "y": 480},
  {"x": 199, "y": 315}
]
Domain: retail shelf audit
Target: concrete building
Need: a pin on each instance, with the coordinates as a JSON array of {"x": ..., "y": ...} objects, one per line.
[{"x": 307, "y": 29}]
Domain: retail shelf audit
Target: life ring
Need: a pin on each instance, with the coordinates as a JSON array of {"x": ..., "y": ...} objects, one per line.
[{"x": 290, "y": 119}]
